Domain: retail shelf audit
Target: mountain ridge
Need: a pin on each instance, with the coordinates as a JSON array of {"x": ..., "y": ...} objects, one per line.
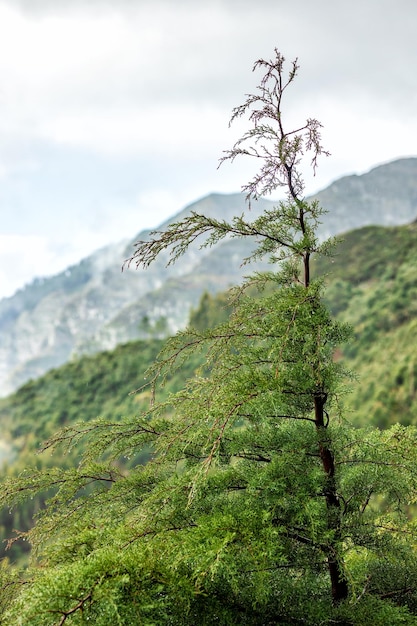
[{"x": 93, "y": 306}]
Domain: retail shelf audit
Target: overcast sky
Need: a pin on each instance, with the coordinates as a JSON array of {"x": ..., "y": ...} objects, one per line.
[{"x": 114, "y": 113}]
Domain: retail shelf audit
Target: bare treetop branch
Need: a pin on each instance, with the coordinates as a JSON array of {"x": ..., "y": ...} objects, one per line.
[
  {"x": 281, "y": 150},
  {"x": 278, "y": 151}
]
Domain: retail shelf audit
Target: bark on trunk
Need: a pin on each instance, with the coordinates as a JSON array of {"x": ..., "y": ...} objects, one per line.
[{"x": 338, "y": 581}]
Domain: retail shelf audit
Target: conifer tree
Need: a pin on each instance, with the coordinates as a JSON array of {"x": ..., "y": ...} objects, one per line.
[
  {"x": 287, "y": 234},
  {"x": 261, "y": 505}
]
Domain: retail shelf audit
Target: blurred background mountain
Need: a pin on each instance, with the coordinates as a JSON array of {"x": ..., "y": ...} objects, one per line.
[{"x": 94, "y": 306}]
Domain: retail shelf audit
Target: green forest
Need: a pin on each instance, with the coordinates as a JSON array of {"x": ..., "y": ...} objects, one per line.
[{"x": 257, "y": 468}]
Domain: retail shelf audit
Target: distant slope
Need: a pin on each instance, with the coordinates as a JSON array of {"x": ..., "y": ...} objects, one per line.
[
  {"x": 372, "y": 283},
  {"x": 46, "y": 323},
  {"x": 386, "y": 196},
  {"x": 373, "y": 286},
  {"x": 94, "y": 306}
]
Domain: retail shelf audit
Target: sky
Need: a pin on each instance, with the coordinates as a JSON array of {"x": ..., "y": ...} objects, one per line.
[{"x": 114, "y": 113}]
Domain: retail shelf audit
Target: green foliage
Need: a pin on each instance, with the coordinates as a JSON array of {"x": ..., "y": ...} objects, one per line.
[
  {"x": 228, "y": 524},
  {"x": 259, "y": 504},
  {"x": 370, "y": 253},
  {"x": 372, "y": 286},
  {"x": 62, "y": 395},
  {"x": 212, "y": 310},
  {"x": 156, "y": 329},
  {"x": 88, "y": 388}
]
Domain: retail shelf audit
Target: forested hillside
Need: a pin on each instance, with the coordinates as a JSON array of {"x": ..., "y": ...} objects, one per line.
[{"x": 372, "y": 284}]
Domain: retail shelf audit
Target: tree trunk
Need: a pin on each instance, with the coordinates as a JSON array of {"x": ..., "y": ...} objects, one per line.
[{"x": 338, "y": 581}]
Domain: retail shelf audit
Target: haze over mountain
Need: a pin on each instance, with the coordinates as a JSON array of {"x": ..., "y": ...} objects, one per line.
[
  {"x": 99, "y": 141},
  {"x": 93, "y": 305}
]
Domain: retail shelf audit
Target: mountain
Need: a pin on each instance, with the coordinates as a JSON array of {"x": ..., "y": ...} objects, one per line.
[
  {"x": 371, "y": 283},
  {"x": 385, "y": 196},
  {"x": 94, "y": 306}
]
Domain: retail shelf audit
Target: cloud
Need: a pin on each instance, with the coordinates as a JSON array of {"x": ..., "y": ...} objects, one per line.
[
  {"x": 113, "y": 114},
  {"x": 22, "y": 258},
  {"x": 102, "y": 72}
]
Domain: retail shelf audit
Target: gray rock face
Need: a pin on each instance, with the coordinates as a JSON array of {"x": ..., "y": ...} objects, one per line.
[
  {"x": 386, "y": 196},
  {"x": 94, "y": 306}
]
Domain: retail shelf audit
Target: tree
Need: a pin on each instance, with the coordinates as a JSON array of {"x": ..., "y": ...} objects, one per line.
[
  {"x": 261, "y": 505},
  {"x": 156, "y": 329}
]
